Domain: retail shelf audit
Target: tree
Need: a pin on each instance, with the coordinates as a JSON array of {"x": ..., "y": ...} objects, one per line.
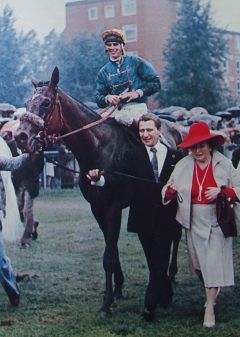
[
  {"x": 48, "y": 54},
  {"x": 79, "y": 61},
  {"x": 13, "y": 70},
  {"x": 194, "y": 58}
]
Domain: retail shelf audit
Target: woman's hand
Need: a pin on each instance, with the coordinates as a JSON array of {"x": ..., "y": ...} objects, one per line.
[
  {"x": 171, "y": 191},
  {"x": 212, "y": 193}
]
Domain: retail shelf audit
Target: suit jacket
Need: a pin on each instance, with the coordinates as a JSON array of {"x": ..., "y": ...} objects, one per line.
[{"x": 146, "y": 208}]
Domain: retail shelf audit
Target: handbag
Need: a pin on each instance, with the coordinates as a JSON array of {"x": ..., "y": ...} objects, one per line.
[{"x": 226, "y": 215}]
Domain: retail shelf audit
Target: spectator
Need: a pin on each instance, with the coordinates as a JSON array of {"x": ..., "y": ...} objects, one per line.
[{"x": 196, "y": 182}]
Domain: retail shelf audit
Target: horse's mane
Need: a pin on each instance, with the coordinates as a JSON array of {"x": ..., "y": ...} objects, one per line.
[{"x": 85, "y": 109}]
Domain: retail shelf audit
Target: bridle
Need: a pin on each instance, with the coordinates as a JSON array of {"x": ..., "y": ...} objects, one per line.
[
  {"x": 55, "y": 112},
  {"x": 46, "y": 136}
]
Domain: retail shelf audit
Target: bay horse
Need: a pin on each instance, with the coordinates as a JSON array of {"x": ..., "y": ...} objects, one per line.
[{"x": 51, "y": 111}]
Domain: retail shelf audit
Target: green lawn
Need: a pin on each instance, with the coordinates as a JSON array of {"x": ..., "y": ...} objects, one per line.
[{"x": 65, "y": 292}]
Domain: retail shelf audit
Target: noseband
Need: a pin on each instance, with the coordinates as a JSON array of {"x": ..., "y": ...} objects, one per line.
[{"x": 54, "y": 118}]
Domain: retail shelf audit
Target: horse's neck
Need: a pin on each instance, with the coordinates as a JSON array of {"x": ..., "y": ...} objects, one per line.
[{"x": 86, "y": 145}]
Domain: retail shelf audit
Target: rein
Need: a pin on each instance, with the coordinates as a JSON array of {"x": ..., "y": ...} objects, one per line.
[
  {"x": 90, "y": 125},
  {"x": 113, "y": 172},
  {"x": 56, "y": 112},
  {"x": 57, "y": 104}
]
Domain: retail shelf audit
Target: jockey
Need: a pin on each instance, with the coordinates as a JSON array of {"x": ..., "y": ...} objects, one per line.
[{"x": 124, "y": 79}]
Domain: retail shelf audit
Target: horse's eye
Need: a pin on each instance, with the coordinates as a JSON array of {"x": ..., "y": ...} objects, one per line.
[{"x": 46, "y": 103}]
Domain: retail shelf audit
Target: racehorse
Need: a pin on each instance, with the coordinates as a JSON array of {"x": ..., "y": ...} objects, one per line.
[{"x": 51, "y": 111}]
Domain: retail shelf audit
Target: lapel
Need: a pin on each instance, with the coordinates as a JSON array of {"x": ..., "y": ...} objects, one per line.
[
  {"x": 168, "y": 165},
  {"x": 145, "y": 166}
]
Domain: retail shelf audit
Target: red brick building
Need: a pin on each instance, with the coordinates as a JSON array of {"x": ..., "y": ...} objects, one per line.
[
  {"x": 232, "y": 64},
  {"x": 147, "y": 24}
]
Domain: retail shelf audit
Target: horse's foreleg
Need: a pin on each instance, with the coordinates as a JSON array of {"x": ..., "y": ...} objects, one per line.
[
  {"x": 173, "y": 269},
  {"x": 110, "y": 224},
  {"x": 118, "y": 279},
  {"x": 111, "y": 262},
  {"x": 108, "y": 298}
]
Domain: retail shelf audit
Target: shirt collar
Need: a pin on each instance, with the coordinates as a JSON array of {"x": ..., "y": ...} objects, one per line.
[{"x": 159, "y": 146}]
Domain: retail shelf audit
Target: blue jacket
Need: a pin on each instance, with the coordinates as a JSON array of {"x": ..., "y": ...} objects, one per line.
[{"x": 132, "y": 74}]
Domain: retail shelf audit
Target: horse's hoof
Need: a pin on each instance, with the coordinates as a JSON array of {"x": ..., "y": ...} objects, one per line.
[
  {"x": 25, "y": 245},
  {"x": 105, "y": 312},
  {"x": 35, "y": 233},
  {"x": 119, "y": 296}
]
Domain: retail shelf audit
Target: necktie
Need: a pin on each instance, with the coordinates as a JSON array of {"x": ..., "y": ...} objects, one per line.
[{"x": 154, "y": 162}]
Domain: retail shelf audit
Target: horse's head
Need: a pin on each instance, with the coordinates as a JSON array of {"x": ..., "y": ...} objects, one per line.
[{"x": 43, "y": 116}]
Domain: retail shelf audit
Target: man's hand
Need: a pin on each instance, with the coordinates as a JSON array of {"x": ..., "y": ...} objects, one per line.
[
  {"x": 113, "y": 100},
  {"x": 94, "y": 175},
  {"x": 129, "y": 96}
]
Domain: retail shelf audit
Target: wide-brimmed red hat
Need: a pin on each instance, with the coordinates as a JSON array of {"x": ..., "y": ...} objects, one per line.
[{"x": 198, "y": 133}]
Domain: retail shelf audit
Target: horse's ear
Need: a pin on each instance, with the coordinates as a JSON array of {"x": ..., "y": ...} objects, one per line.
[
  {"x": 55, "y": 77},
  {"x": 34, "y": 82}
]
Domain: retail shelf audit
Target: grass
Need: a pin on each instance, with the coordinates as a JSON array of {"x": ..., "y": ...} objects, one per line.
[{"x": 65, "y": 292}]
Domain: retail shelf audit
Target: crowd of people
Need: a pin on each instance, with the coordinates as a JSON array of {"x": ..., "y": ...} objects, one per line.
[{"x": 173, "y": 187}]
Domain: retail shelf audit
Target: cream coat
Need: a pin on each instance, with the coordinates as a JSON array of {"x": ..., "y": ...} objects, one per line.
[{"x": 223, "y": 171}]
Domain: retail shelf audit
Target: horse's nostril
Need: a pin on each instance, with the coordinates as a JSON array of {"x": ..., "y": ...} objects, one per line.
[
  {"x": 22, "y": 137},
  {"x": 46, "y": 103}
]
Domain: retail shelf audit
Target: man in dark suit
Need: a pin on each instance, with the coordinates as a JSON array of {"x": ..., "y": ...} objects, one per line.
[
  {"x": 236, "y": 156},
  {"x": 148, "y": 217}
]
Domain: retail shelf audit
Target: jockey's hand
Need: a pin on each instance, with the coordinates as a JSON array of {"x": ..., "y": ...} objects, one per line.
[
  {"x": 94, "y": 175},
  {"x": 212, "y": 192},
  {"x": 129, "y": 96},
  {"x": 112, "y": 99}
]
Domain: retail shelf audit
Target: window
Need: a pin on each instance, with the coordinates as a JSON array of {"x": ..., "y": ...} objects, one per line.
[
  {"x": 225, "y": 65},
  {"x": 238, "y": 65},
  {"x": 238, "y": 87},
  {"x": 238, "y": 43},
  {"x": 129, "y": 7},
  {"x": 109, "y": 11},
  {"x": 131, "y": 32},
  {"x": 92, "y": 13}
]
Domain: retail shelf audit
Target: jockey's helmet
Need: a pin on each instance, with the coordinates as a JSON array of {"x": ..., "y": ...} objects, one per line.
[{"x": 114, "y": 35}]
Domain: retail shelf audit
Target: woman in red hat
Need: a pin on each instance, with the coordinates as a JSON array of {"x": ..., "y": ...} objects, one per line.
[{"x": 196, "y": 181}]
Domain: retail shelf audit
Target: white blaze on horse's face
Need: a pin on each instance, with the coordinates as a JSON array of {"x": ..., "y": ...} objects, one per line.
[
  {"x": 36, "y": 95},
  {"x": 149, "y": 133}
]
